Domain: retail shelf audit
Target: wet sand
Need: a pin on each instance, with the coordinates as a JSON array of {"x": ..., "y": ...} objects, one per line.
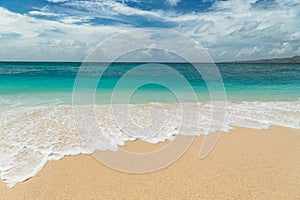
[{"x": 245, "y": 164}]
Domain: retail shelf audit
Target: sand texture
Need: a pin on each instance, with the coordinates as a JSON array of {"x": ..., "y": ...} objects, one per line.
[{"x": 245, "y": 164}]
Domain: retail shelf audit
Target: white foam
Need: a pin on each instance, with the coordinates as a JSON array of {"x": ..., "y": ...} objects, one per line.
[{"x": 31, "y": 136}]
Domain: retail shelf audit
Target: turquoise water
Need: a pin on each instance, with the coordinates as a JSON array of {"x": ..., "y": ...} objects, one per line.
[{"x": 52, "y": 83}]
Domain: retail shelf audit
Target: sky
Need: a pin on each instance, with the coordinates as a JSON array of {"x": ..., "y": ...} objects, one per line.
[{"x": 68, "y": 30}]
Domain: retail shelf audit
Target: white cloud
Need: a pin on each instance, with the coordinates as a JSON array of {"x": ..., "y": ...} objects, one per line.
[
  {"x": 249, "y": 51},
  {"x": 74, "y": 19},
  {"x": 172, "y": 2},
  {"x": 280, "y": 49},
  {"x": 235, "y": 26},
  {"x": 48, "y": 40},
  {"x": 57, "y": 1},
  {"x": 295, "y": 36},
  {"x": 110, "y": 8},
  {"x": 232, "y": 29},
  {"x": 40, "y": 13},
  {"x": 43, "y": 12}
]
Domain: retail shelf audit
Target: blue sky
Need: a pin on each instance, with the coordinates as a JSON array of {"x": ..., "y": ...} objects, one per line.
[{"x": 67, "y": 30}]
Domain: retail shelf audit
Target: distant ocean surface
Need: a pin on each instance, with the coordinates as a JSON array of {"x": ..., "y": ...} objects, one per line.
[
  {"x": 31, "y": 84},
  {"x": 36, "y": 122}
]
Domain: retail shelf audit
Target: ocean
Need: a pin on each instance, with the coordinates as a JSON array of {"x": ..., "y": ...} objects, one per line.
[
  {"x": 36, "y": 98},
  {"x": 34, "y": 83}
]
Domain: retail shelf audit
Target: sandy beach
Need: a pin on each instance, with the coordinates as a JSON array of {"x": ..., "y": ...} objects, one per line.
[
  {"x": 171, "y": 99},
  {"x": 245, "y": 164}
]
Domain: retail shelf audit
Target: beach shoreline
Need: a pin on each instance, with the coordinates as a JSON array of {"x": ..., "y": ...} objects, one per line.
[{"x": 245, "y": 164}]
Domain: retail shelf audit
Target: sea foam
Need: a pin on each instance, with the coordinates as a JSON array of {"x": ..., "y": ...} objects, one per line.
[{"x": 31, "y": 136}]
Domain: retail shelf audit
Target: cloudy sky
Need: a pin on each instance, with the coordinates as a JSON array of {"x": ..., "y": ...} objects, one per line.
[{"x": 67, "y": 30}]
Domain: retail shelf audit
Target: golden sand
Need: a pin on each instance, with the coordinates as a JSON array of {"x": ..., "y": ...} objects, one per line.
[{"x": 245, "y": 164}]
